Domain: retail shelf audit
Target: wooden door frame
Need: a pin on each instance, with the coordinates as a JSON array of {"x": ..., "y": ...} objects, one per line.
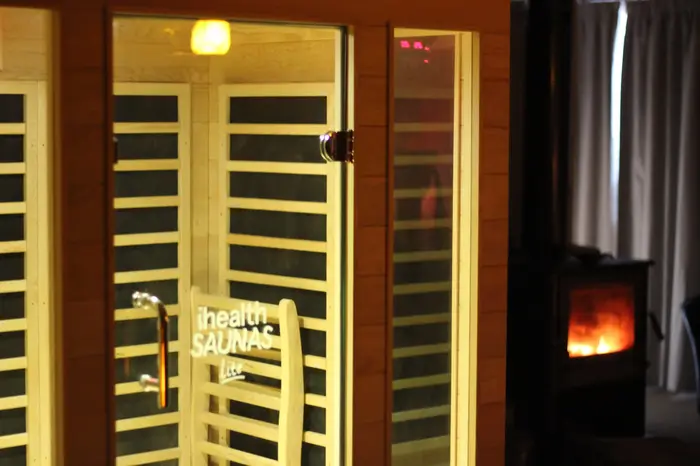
[{"x": 82, "y": 261}]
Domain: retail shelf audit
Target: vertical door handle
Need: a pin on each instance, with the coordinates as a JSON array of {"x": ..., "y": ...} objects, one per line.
[
  {"x": 148, "y": 383},
  {"x": 115, "y": 148}
]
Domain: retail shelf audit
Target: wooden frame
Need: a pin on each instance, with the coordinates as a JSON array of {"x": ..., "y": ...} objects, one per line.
[
  {"x": 36, "y": 323},
  {"x": 463, "y": 255},
  {"x": 82, "y": 203}
]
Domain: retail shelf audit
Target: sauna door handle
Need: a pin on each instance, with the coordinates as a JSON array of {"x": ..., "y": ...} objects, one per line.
[
  {"x": 337, "y": 146},
  {"x": 148, "y": 383}
]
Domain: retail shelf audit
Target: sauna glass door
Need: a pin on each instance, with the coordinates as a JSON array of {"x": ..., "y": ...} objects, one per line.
[{"x": 229, "y": 230}]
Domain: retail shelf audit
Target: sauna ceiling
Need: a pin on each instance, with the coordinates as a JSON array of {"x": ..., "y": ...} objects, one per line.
[
  {"x": 15, "y": 22},
  {"x": 152, "y": 49}
]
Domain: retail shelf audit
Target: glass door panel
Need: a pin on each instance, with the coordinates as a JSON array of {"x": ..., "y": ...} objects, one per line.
[
  {"x": 228, "y": 233},
  {"x": 432, "y": 221}
]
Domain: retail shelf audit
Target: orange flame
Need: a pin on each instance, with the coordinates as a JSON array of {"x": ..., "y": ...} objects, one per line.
[{"x": 601, "y": 321}]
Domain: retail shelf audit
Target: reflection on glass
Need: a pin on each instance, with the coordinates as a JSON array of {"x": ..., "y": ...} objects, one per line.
[
  {"x": 24, "y": 312},
  {"x": 424, "y": 155},
  {"x": 220, "y": 185}
]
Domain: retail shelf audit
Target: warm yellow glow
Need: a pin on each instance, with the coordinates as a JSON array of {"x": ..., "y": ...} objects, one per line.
[{"x": 211, "y": 37}]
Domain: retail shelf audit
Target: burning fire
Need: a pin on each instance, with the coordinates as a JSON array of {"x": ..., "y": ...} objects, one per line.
[
  {"x": 581, "y": 349},
  {"x": 601, "y": 321}
]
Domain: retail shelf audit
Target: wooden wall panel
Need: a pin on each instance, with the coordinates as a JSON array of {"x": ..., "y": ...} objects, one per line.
[
  {"x": 371, "y": 374},
  {"x": 459, "y": 15},
  {"x": 83, "y": 299},
  {"x": 493, "y": 250}
]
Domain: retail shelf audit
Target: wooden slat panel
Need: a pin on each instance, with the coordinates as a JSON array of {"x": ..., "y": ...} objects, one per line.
[
  {"x": 130, "y": 321},
  {"x": 28, "y": 274}
]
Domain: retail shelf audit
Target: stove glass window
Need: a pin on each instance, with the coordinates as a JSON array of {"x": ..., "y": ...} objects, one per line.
[{"x": 601, "y": 320}]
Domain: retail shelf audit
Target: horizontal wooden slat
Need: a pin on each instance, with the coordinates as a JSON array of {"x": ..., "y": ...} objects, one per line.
[
  {"x": 318, "y": 401},
  {"x": 256, "y": 395},
  {"x": 16, "y": 168},
  {"x": 252, "y": 427},
  {"x": 148, "y": 457},
  {"x": 8, "y": 208},
  {"x": 292, "y": 130},
  {"x": 146, "y": 276},
  {"x": 423, "y": 350},
  {"x": 14, "y": 440},
  {"x": 146, "y": 128},
  {"x": 146, "y": 165},
  {"x": 315, "y": 362},
  {"x": 277, "y": 243},
  {"x": 314, "y": 438},
  {"x": 146, "y": 202},
  {"x": 425, "y": 319},
  {"x": 12, "y": 246},
  {"x": 422, "y": 224},
  {"x": 422, "y": 256},
  {"x": 13, "y": 402},
  {"x": 147, "y": 349},
  {"x": 417, "y": 382},
  {"x": 423, "y": 413},
  {"x": 275, "y": 205},
  {"x": 418, "y": 288},
  {"x": 13, "y": 325},
  {"x": 146, "y": 422},
  {"x": 407, "y": 448},
  {"x": 291, "y": 168},
  {"x": 276, "y": 280},
  {"x": 13, "y": 286},
  {"x": 11, "y": 364},
  {"x": 147, "y": 238},
  {"x": 13, "y": 128}
]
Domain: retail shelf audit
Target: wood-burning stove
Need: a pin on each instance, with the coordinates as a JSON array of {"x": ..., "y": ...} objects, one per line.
[
  {"x": 565, "y": 370},
  {"x": 600, "y": 351}
]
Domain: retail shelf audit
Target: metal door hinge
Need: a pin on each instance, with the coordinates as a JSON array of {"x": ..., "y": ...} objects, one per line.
[{"x": 338, "y": 146}]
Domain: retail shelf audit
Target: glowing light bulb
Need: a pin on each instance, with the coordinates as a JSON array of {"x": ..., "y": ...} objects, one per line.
[{"x": 211, "y": 37}]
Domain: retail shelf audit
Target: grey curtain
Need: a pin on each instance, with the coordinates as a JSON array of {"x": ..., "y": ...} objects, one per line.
[
  {"x": 591, "y": 213},
  {"x": 659, "y": 170}
]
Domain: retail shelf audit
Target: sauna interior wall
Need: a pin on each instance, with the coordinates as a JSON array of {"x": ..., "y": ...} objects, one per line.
[
  {"x": 152, "y": 57},
  {"x": 155, "y": 54}
]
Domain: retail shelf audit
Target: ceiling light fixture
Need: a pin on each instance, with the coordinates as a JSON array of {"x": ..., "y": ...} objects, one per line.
[{"x": 211, "y": 37}]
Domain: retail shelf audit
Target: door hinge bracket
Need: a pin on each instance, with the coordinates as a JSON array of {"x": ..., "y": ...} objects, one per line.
[{"x": 338, "y": 146}]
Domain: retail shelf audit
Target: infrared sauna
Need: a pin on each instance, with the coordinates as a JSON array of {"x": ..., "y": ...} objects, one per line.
[
  {"x": 24, "y": 227},
  {"x": 228, "y": 231}
]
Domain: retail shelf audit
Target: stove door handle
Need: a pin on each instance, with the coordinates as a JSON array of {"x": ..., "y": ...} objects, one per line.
[{"x": 655, "y": 325}]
